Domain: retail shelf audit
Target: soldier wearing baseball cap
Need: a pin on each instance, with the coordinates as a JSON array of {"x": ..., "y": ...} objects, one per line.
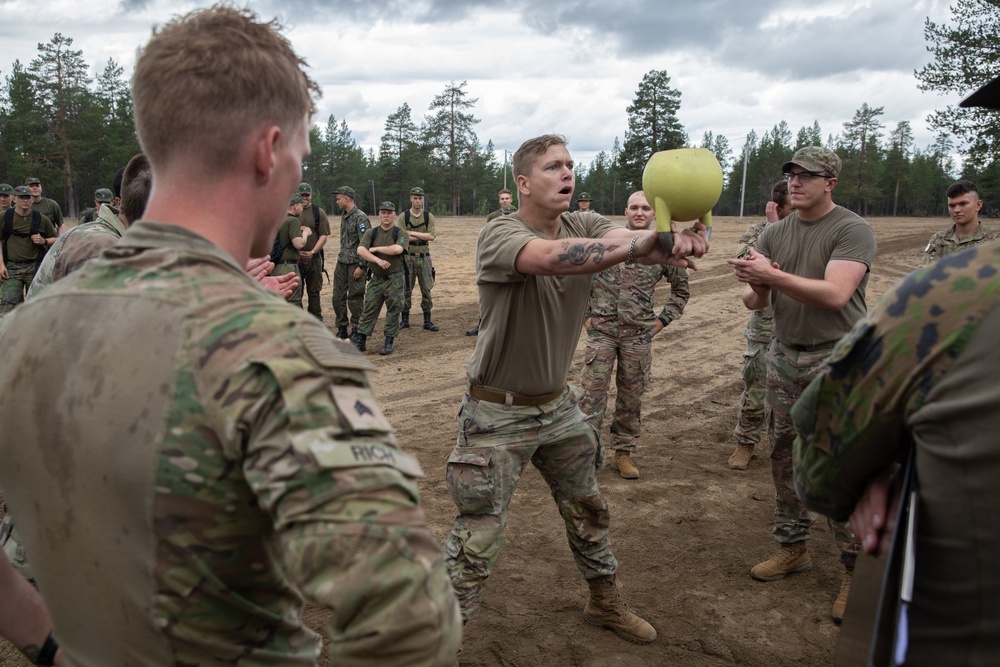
[
  {"x": 47, "y": 207},
  {"x": 387, "y": 206},
  {"x": 812, "y": 268},
  {"x": 383, "y": 247},
  {"x": 349, "y": 274},
  {"x": 815, "y": 159},
  {"x": 6, "y": 194},
  {"x": 311, "y": 255},
  {"x": 27, "y": 235},
  {"x": 584, "y": 201},
  {"x": 419, "y": 224}
]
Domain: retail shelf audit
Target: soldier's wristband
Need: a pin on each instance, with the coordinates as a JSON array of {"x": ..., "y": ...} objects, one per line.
[
  {"x": 47, "y": 654},
  {"x": 663, "y": 320}
]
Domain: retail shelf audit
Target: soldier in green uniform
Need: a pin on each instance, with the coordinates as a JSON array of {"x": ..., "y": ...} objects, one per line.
[
  {"x": 349, "y": 275},
  {"x": 6, "y": 196},
  {"x": 751, "y": 413},
  {"x": 620, "y": 326},
  {"x": 812, "y": 267},
  {"x": 31, "y": 233},
  {"x": 418, "y": 223},
  {"x": 311, "y": 256},
  {"x": 506, "y": 206},
  {"x": 218, "y": 455},
  {"x": 384, "y": 248},
  {"x": 533, "y": 270},
  {"x": 47, "y": 207},
  {"x": 583, "y": 202},
  {"x": 292, "y": 237},
  {"x": 101, "y": 196},
  {"x": 964, "y": 205}
]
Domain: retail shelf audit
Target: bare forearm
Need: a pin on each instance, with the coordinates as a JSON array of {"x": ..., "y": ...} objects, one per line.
[
  {"x": 812, "y": 292},
  {"x": 320, "y": 242},
  {"x": 365, "y": 254},
  {"x": 420, "y": 236},
  {"x": 575, "y": 256},
  {"x": 756, "y": 299}
]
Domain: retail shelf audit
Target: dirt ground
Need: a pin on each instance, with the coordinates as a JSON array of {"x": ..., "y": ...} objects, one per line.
[{"x": 685, "y": 533}]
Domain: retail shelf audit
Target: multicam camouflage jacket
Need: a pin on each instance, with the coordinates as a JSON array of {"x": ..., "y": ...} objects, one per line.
[
  {"x": 621, "y": 298},
  {"x": 77, "y": 247},
  {"x": 948, "y": 242},
  {"x": 353, "y": 226},
  {"x": 217, "y": 455},
  {"x": 852, "y": 420},
  {"x": 760, "y": 327}
]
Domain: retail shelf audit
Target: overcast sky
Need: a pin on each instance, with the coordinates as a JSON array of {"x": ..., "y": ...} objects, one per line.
[{"x": 566, "y": 67}]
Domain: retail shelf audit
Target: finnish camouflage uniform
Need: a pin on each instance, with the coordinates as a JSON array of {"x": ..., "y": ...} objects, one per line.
[
  {"x": 948, "y": 242},
  {"x": 385, "y": 286},
  {"x": 621, "y": 323},
  {"x": 289, "y": 260},
  {"x": 348, "y": 292},
  {"x": 418, "y": 262},
  {"x": 235, "y": 461},
  {"x": 22, "y": 260},
  {"x": 70, "y": 252},
  {"x": 311, "y": 272},
  {"x": 918, "y": 376},
  {"x": 87, "y": 215},
  {"x": 751, "y": 414}
]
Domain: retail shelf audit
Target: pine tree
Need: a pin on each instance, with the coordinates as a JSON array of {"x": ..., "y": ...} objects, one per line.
[
  {"x": 652, "y": 125},
  {"x": 861, "y": 155},
  {"x": 449, "y": 134}
]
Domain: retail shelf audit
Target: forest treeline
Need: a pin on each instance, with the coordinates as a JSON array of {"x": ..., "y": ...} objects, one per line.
[{"x": 73, "y": 131}]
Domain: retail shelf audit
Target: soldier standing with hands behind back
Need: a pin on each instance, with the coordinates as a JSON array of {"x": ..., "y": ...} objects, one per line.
[
  {"x": 419, "y": 225},
  {"x": 311, "y": 254},
  {"x": 349, "y": 274}
]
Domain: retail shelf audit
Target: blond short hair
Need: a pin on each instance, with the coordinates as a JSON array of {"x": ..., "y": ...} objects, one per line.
[
  {"x": 207, "y": 79},
  {"x": 525, "y": 156}
]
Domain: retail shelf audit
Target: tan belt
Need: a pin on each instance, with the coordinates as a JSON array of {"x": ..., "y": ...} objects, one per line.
[{"x": 509, "y": 398}]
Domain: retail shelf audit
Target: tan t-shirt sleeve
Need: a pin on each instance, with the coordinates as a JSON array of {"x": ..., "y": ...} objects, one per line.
[{"x": 498, "y": 247}]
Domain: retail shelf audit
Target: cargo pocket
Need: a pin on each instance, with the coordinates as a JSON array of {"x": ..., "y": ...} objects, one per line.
[{"x": 471, "y": 481}]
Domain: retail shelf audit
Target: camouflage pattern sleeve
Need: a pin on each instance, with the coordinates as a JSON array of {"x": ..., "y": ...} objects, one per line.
[
  {"x": 932, "y": 252},
  {"x": 851, "y": 419},
  {"x": 680, "y": 292},
  {"x": 323, "y": 462},
  {"x": 749, "y": 239}
]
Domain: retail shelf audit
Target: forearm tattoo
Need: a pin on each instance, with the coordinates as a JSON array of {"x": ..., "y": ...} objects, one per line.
[{"x": 578, "y": 253}]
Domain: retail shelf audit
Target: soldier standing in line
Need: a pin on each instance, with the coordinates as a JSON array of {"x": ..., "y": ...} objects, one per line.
[
  {"x": 506, "y": 205},
  {"x": 812, "y": 267},
  {"x": 229, "y": 423},
  {"x": 533, "y": 270},
  {"x": 583, "y": 202},
  {"x": 47, "y": 207},
  {"x": 349, "y": 274},
  {"x": 418, "y": 223},
  {"x": 384, "y": 248},
  {"x": 6, "y": 195},
  {"x": 101, "y": 196},
  {"x": 750, "y": 415},
  {"x": 964, "y": 205},
  {"x": 292, "y": 238},
  {"x": 620, "y": 326},
  {"x": 27, "y": 234},
  {"x": 311, "y": 257}
]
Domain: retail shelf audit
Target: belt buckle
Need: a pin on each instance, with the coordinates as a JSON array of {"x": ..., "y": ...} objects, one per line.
[{"x": 508, "y": 399}]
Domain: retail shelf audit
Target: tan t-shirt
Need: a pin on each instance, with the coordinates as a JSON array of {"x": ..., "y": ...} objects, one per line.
[
  {"x": 530, "y": 324},
  {"x": 804, "y": 249}
]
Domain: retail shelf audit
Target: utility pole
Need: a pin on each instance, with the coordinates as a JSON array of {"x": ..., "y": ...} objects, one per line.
[
  {"x": 743, "y": 188},
  {"x": 374, "y": 203}
]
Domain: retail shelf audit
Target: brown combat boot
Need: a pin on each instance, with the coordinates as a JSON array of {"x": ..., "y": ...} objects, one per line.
[
  {"x": 607, "y": 608},
  {"x": 789, "y": 558},
  {"x": 623, "y": 464},
  {"x": 840, "y": 604},
  {"x": 741, "y": 457}
]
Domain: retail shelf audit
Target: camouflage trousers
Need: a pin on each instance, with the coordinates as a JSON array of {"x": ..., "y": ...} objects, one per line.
[
  {"x": 284, "y": 268},
  {"x": 311, "y": 273},
  {"x": 419, "y": 269},
  {"x": 789, "y": 372},
  {"x": 495, "y": 443},
  {"x": 383, "y": 289},
  {"x": 12, "y": 290},
  {"x": 635, "y": 359},
  {"x": 348, "y": 293},
  {"x": 751, "y": 415}
]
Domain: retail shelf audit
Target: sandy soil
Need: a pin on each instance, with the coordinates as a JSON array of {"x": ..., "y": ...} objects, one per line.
[{"x": 686, "y": 533}]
